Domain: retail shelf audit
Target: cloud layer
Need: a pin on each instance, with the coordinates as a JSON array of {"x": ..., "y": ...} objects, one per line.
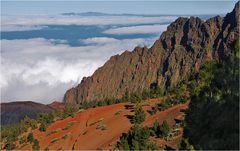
[
  {"x": 41, "y": 70},
  {"x": 40, "y": 66},
  {"x": 31, "y": 22},
  {"x": 145, "y": 29}
]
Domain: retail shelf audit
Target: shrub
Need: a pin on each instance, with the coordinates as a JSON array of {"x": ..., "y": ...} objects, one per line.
[
  {"x": 68, "y": 125},
  {"x": 30, "y": 138},
  {"x": 66, "y": 136},
  {"x": 161, "y": 130},
  {"x": 10, "y": 146},
  {"x": 35, "y": 145},
  {"x": 140, "y": 115},
  {"x": 43, "y": 127},
  {"x": 164, "y": 129},
  {"x": 185, "y": 145},
  {"x": 54, "y": 140},
  {"x": 137, "y": 138},
  {"x": 135, "y": 98}
]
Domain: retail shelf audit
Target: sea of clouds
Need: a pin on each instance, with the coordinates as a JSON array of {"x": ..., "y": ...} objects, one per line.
[{"x": 39, "y": 69}]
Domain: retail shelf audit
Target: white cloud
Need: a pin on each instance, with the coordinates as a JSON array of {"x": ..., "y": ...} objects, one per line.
[
  {"x": 20, "y": 28},
  {"x": 11, "y": 23},
  {"x": 40, "y": 70},
  {"x": 145, "y": 29},
  {"x": 99, "y": 40}
]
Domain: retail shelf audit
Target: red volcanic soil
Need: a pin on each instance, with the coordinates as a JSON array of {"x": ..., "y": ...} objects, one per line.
[
  {"x": 83, "y": 131},
  {"x": 57, "y": 105}
]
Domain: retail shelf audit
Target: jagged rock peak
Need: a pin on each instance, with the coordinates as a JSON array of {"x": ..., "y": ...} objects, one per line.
[{"x": 181, "y": 49}]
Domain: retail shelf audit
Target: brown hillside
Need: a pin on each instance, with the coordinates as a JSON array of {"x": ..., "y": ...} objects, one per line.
[{"x": 84, "y": 134}]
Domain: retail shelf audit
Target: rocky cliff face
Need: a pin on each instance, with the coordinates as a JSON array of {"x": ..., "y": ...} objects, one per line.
[{"x": 187, "y": 43}]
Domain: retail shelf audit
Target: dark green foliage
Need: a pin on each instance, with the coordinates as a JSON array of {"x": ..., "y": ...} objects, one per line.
[
  {"x": 136, "y": 139},
  {"x": 126, "y": 97},
  {"x": 30, "y": 138},
  {"x": 185, "y": 145},
  {"x": 135, "y": 98},
  {"x": 10, "y": 133},
  {"x": 35, "y": 145},
  {"x": 155, "y": 127},
  {"x": 212, "y": 120},
  {"x": 43, "y": 127},
  {"x": 46, "y": 149},
  {"x": 140, "y": 115},
  {"x": 30, "y": 122},
  {"x": 161, "y": 130},
  {"x": 69, "y": 110},
  {"x": 45, "y": 118},
  {"x": 10, "y": 146},
  {"x": 22, "y": 140},
  {"x": 155, "y": 92}
]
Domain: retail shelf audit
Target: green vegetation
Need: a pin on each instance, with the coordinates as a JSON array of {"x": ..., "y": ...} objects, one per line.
[
  {"x": 99, "y": 148},
  {"x": 136, "y": 139},
  {"x": 135, "y": 97},
  {"x": 212, "y": 120},
  {"x": 35, "y": 145},
  {"x": 101, "y": 126},
  {"x": 68, "y": 126},
  {"x": 161, "y": 130},
  {"x": 169, "y": 102},
  {"x": 139, "y": 116},
  {"x": 118, "y": 112},
  {"x": 53, "y": 132},
  {"x": 54, "y": 140},
  {"x": 46, "y": 149},
  {"x": 30, "y": 138},
  {"x": 66, "y": 136},
  {"x": 69, "y": 111},
  {"x": 10, "y": 133}
]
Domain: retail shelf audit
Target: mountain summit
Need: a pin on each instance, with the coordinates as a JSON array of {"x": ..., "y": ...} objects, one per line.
[{"x": 187, "y": 43}]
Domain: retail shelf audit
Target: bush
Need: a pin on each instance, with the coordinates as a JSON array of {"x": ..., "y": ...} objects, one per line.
[
  {"x": 46, "y": 118},
  {"x": 136, "y": 139},
  {"x": 135, "y": 98},
  {"x": 68, "y": 111},
  {"x": 164, "y": 129},
  {"x": 35, "y": 145},
  {"x": 140, "y": 115},
  {"x": 185, "y": 145},
  {"x": 161, "y": 130},
  {"x": 30, "y": 138},
  {"x": 43, "y": 127},
  {"x": 10, "y": 146}
]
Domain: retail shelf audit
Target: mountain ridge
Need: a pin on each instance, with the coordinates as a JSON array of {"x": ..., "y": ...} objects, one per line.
[
  {"x": 13, "y": 112},
  {"x": 181, "y": 49}
]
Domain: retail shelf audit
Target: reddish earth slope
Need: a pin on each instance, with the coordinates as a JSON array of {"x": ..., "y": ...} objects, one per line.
[
  {"x": 99, "y": 127},
  {"x": 57, "y": 105}
]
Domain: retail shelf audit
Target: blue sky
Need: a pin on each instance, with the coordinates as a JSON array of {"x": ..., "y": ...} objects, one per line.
[{"x": 134, "y": 7}]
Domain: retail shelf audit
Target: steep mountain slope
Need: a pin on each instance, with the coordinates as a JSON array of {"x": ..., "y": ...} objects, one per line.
[
  {"x": 187, "y": 43},
  {"x": 13, "y": 112}
]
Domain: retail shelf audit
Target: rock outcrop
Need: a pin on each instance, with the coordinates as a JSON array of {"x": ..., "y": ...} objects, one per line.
[{"x": 187, "y": 43}]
